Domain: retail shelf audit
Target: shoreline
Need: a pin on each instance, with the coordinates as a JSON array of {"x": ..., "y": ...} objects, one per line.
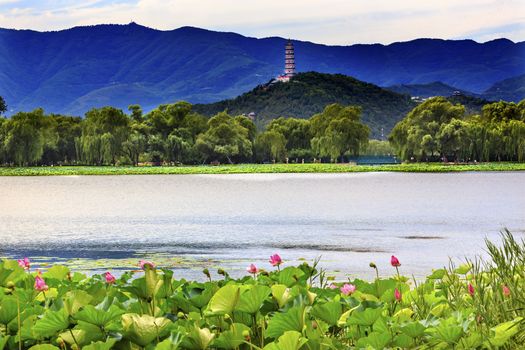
[{"x": 258, "y": 169}]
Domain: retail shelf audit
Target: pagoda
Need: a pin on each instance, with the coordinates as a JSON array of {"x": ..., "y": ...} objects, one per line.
[{"x": 289, "y": 63}]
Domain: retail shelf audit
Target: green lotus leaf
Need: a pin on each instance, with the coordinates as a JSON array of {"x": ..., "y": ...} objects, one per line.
[
  {"x": 76, "y": 299},
  {"x": 403, "y": 341},
  {"x": 44, "y": 347},
  {"x": 290, "y": 340},
  {"x": 173, "y": 342},
  {"x": 290, "y": 276},
  {"x": 413, "y": 329},
  {"x": 8, "y": 309},
  {"x": 198, "y": 339},
  {"x": 282, "y": 294},
  {"x": 291, "y": 320},
  {"x": 10, "y": 271},
  {"x": 232, "y": 338},
  {"x": 504, "y": 331},
  {"x": 463, "y": 269},
  {"x": 448, "y": 330},
  {"x": 366, "y": 317},
  {"x": 3, "y": 341},
  {"x": 83, "y": 334},
  {"x": 99, "y": 317},
  {"x": 100, "y": 345},
  {"x": 51, "y": 323},
  {"x": 375, "y": 340},
  {"x": 252, "y": 299},
  {"x": 224, "y": 300},
  {"x": 58, "y": 272},
  {"x": 142, "y": 330},
  {"x": 329, "y": 312}
]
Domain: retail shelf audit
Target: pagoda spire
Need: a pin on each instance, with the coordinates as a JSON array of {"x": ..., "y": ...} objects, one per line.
[
  {"x": 289, "y": 63},
  {"x": 289, "y": 60}
]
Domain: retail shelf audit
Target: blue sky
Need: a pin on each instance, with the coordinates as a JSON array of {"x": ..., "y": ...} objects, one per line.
[{"x": 324, "y": 21}]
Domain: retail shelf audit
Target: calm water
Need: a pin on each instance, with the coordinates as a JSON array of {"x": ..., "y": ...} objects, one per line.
[{"x": 231, "y": 220}]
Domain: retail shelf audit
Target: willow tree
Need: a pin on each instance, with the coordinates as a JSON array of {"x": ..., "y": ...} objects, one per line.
[
  {"x": 337, "y": 131},
  {"x": 225, "y": 139},
  {"x": 417, "y": 134},
  {"x": 104, "y": 130},
  {"x": 24, "y": 137},
  {"x": 270, "y": 145}
]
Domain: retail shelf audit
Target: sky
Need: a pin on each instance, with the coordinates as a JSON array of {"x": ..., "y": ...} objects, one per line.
[{"x": 334, "y": 22}]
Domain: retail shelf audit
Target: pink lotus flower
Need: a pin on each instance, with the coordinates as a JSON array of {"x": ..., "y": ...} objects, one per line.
[
  {"x": 144, "y": 263},
  {"x": 397, "y": 295},
  {"x": 40, "y": 284},
  {"x": 252, "y": 269},
  {"x": 394, "y": 261},
  {"x": 505, "y": 290},
  {"x": 348, "y": 289},
  {"x": 275, "y": 260},
  {"x": 110, "y": 279},
  {"x": 333, "y": 286},
  {"x": 470, "y": 289},
  {"x": 24, "y": 263}
]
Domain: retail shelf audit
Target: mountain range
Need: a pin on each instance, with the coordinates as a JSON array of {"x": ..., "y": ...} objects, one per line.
[{"x": 71, "y": 71}]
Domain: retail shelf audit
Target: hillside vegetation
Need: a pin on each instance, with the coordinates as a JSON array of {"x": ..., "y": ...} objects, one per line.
[{"x": 308, "y": 94}]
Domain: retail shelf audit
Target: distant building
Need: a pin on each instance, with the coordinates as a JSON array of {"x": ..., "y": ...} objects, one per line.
[{"x": 289, "y": 63}]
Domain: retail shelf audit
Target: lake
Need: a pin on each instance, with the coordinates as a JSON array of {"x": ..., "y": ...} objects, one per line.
[{"x": 188, "y": 222}]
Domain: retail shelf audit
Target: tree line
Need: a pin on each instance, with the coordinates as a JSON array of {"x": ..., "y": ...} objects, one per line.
[
  {"x": 438, "y": 130},
  {"x": 175, "y": 134}
]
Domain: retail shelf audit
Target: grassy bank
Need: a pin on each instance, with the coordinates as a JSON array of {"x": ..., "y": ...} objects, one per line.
[
  {"x": 256, "y": 169},
  {"x": 478, "y": 305}
]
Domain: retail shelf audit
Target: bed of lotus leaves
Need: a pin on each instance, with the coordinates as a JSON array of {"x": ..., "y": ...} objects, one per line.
[
  {"x": 289, "y": 308},
  {"x": 256, "y": 168}
]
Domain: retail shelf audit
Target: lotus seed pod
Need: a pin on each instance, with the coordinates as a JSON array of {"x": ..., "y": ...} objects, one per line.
[
  {"x": 372, "y": 265},
  {"x": 74, "y": 347},
  {"x": 180, "y": 314},
  {"x": 227, "y": 317},
  {"x": 246, "y": 333},
  {"x": 10, "y": 285}
]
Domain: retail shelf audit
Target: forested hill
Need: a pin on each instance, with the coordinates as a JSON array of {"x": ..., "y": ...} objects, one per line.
[
  {"x": 308, "y": 94},
  {"x": 73, "y": 70},
  {"x": 512, "y": 89}
]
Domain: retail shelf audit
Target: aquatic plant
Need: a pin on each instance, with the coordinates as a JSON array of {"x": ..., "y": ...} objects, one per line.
[{"x": 291, "y": 309}]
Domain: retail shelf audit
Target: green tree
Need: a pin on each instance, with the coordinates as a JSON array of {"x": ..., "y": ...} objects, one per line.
[
  {"x": 338, "y": 130},
  {"x": 270, "y": 145},
  {"x": 416, "y": 135},
  {"x": 24, "y": 137},
  {"x": 225, "y": 139},
  {"x": 104, "y": 130}
]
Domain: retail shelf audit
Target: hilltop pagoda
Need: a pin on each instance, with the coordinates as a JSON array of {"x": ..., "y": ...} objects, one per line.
[{"x": 289, "y": 63}]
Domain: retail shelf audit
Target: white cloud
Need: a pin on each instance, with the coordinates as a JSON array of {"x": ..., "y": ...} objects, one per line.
[{"x": 326, "y": 21}]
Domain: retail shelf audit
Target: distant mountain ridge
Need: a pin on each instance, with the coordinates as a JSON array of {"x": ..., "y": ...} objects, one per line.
[
  {"x": 436, "y": 88},
  {"x": 73, "y": 70}
]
